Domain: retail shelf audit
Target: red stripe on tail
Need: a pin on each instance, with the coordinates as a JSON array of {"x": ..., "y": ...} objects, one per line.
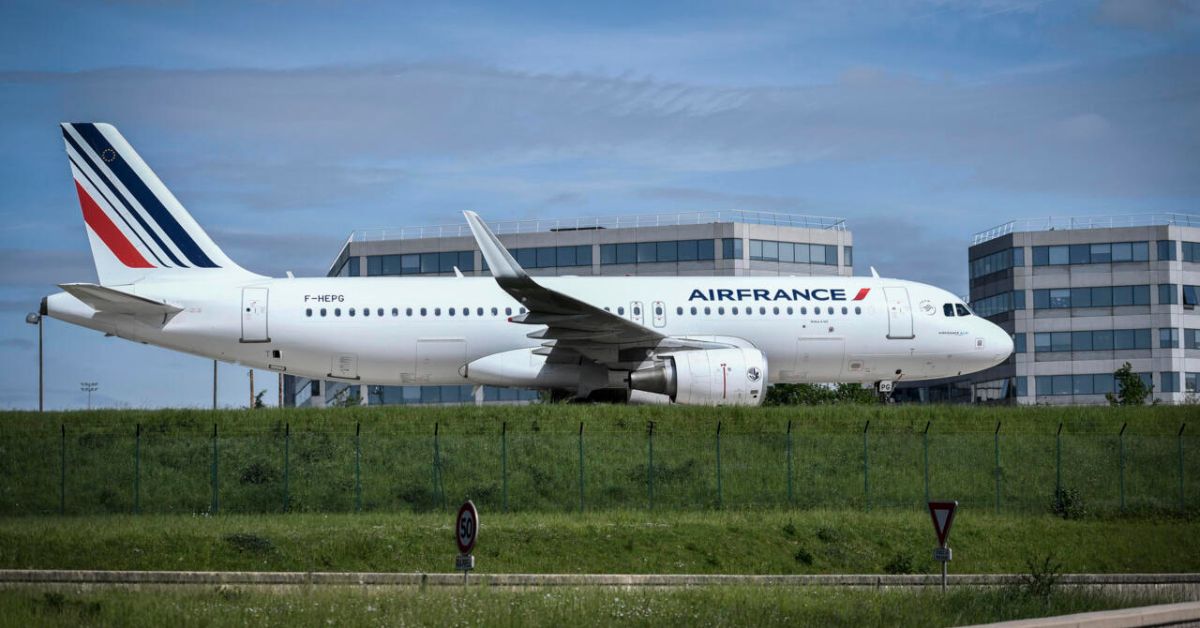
[
  {"x": 862, "y": 294},
  {"x": 108, "y": 232}
]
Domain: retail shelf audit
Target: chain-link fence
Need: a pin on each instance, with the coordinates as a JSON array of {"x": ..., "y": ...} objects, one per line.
[{"x": 162, "y": 469}]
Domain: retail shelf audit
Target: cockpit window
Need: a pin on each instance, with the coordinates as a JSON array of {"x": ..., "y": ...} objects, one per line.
[
  {"x": 961, "y": 309},
  {"x": 948, "y": 309}
]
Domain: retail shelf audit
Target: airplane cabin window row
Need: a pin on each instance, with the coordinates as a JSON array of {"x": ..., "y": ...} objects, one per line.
[{"x": 620, "y": 310}]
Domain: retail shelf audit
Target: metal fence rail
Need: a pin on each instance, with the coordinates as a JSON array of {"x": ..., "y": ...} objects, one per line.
[{"x": 156, "y": 470}]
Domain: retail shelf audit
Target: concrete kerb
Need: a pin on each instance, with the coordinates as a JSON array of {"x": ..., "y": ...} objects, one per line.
[
  {"x": 1188, "y": 584},
  {"x": 1160, "y": 615}
]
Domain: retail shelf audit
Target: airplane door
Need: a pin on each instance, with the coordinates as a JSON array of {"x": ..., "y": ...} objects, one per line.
[
  {"x": 635, "y": 312},
  {"x": 900, "y": 323},
  {"x": 254, "y": 315},
  {"x": 659, "y": 313}
]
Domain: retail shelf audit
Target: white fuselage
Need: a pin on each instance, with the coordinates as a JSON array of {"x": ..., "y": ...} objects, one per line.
[{"x": 423, "y": 330}]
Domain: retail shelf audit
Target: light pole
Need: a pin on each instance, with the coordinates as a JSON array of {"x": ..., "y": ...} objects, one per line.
[
  {"x": 89, "y": 388},
  {"x": 33, "y": 318}
]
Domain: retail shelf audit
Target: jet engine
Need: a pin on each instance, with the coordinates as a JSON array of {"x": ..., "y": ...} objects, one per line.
[{"x": 714, "y": 377}]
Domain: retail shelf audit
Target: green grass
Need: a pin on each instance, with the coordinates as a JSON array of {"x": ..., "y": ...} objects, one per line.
[
  {"x": 737, "y": 605},
  {"x": 535, "y": 467},
  {"x": 771, "y": 542}
]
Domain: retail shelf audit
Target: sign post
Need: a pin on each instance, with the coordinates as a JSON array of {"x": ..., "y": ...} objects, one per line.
[
  {"x": 466, "y": 532},
  {"x": 942, "y": 514}
]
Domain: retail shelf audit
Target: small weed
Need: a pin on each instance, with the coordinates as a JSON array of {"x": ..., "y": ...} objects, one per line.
[
  {"x": 244, "y": 542},
  {"x": 829, "y": 535},
  {"x": 1068, "y": 504},
  {"x": 789, "y": 529},
  {"x": 257, "y": 473},
  {"x": 899, "y": 564},
  {"x": 1042, "y": 578},
  {"x": 803, "y": 556}
]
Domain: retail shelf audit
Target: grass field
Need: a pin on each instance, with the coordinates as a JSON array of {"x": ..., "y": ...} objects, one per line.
[
  {"x": 535, "y": 459},
  {"x": 709, "y": 606},
  {"x": 770, "y": 542}
]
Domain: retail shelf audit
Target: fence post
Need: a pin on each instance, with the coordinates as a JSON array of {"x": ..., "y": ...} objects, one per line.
[
  {"x": 1058, "y": 465},
  {"x": 357, "y": 467},
  {"x": 62, "y": 472},
  {"x": 214, "y": 508},
  {"x": 1121, "y": 443},
  {"x": 1179, "y": 438},
  {"x": 650, "y": 466},
  {"x": 438, "y": 493},
  {"x": 866, "y": 467},
  {"x": 996, "y": 438},
  {"x": 287, "y": 467},
  {"x": 504, "y": 463},
  {"x": 581, "y": 466},
  {"x": 137, "y": 469},
  {"x": 720, "y": 496},
  {"x": 925, "y": 446},
  {"x": 791, "y": 501}
]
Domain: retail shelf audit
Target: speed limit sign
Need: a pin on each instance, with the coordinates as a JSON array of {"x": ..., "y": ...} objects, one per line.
[{"x": 466, "y": 528}]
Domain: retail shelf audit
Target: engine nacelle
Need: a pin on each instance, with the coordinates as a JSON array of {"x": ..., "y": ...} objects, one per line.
[{"x": 716, "y": 377}]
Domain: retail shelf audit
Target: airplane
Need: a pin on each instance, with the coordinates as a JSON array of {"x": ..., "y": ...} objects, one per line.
[{"x": 686, "y": 340}]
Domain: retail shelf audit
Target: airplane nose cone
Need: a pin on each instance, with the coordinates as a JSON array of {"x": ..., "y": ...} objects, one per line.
[{"x": 1000, "y": 344}]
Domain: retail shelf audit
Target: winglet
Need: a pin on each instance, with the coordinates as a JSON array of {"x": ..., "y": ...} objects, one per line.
[
  {"x": 873, "y": 273},
  {"x": 502, "y": 265}
]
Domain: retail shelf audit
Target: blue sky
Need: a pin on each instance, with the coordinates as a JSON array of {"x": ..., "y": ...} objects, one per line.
[{"x": 284, "y": 125}]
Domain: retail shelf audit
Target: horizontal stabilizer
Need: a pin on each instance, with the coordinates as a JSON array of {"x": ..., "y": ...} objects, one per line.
[{"x": 113, "y": 301}]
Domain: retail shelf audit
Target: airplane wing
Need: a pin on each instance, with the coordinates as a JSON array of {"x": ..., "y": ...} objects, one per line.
[
  {"x": 113, "y": 301},
  {"x": 572, "y": 326}
]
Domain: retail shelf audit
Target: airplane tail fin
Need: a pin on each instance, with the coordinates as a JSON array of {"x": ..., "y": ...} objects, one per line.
[{"x": 137, "y": 228}]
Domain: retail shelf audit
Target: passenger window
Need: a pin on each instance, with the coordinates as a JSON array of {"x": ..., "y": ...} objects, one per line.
[
  {"x": 522, "y": 310},
  {"x": 857, "y": 310},
  {"x": 693, "y": 310},
  {"x": 707, "y": 310},
  {"x": 351, "y": 311},
  {"x": 961, "y": 309},
  {"x": 721, "y": 310},
  {"x": 775, "y": 310},
  {"x": 380, "y": 312},
  {"x": 396, "y": 312},
  {"x": 804, "y": 311},
  {"x": 451, "y": 312},
  {"x": 658, "y": 311},
  {"x": 366, "y": 311},
  {"x": 408, "y": 311},
  {"x": 308, "y": 312},
  {"x": 845, "y": 310},
  {"x": 508, "y": 311},
  {"x": 337, "y": 311},
  {"x": 322, "y": 311},
  {"x": 479, "y": 311},
  {"x": 789, "y": 310},
  {"x": 762, "y": 309},
  {"x": 679, "y": 311},
  {"x": 948, "y": 309},
  {"x": 495, "y": 312},
  {"x": 437, "y": 311},
  {"x": 423, "y": 311},
  {"x": 733, "y": 309},
  {"x": 637, "y": 311},
  {"x": 621, "y": 310}
]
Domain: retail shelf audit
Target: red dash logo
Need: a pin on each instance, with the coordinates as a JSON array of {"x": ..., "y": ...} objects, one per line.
[{"x": 862, "y": 294}]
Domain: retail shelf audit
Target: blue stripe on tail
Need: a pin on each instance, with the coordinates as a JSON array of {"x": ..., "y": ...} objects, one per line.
[{"x": 146, "y": 198}]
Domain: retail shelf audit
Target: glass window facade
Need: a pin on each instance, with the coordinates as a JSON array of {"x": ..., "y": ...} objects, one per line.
[
  {"x": 410, "y": 395},
  {"x": 1103, "y": 296},
  {"x": 1096, "y": 340},
  {"x": 420, "y": 263},
  {"x": 794, "y": 252},
  {"x": 1168, "y": 382},
  {"x": 1168, "y": 294},
  {"x": 1191, "y": 294},
  {"x": 656, "y": 252},
  {"x": 1101, "y": 253},
  {"x": 847, "y": 256},
  {"x": 1079, "y": 384},
  {"x": 1191, "y": 251},
  {"x": 1191, "y": 339},
  {"x": 1191, "y": 382},
  {"x": 1168, "y": 338},
  {"x": 999, "y": 304},
  {"x": 731, "y": 248},
  {"x": 996, "y": 262},
  {"x": 1166, "y": 250}
]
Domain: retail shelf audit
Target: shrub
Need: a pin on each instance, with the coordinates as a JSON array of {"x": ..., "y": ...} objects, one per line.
[{"x": 1068, "y": 504}]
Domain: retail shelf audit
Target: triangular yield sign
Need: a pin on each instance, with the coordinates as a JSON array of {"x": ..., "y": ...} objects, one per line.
[{"x": 942, "y": 514}]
